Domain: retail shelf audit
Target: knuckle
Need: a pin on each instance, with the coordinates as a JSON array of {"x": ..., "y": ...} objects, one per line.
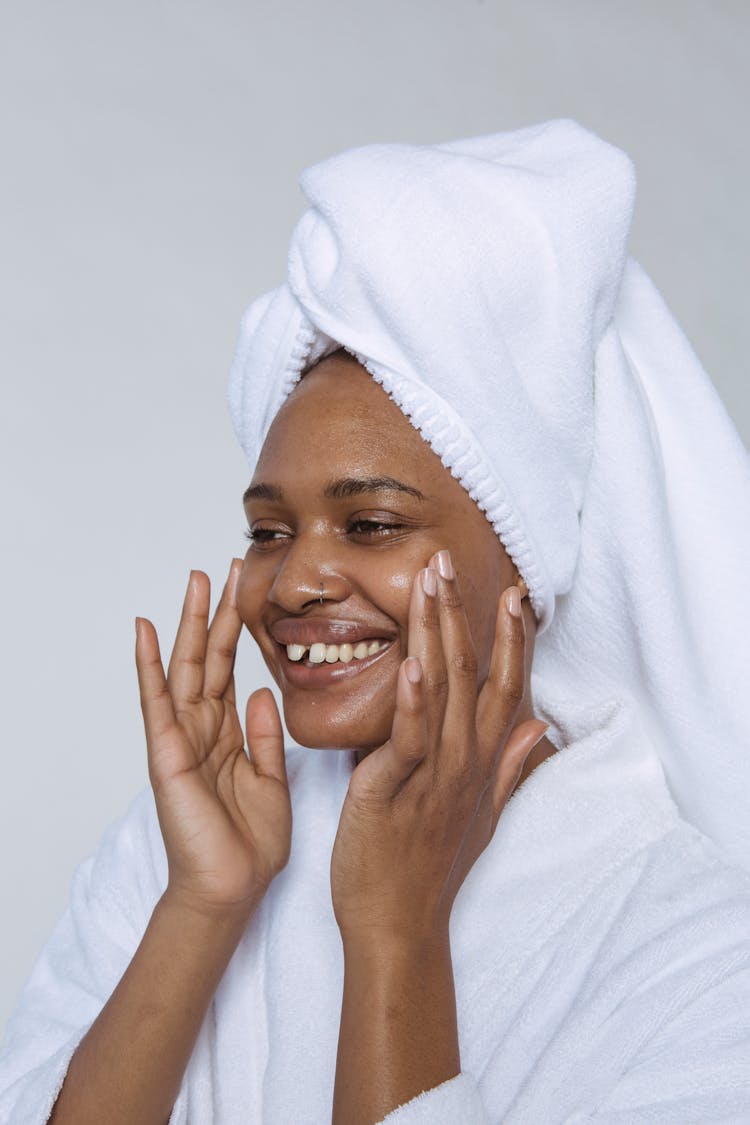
[
  {"x": 512, "y": 687},
  {"x": 154, "y": 696},
  {"x": 451, "y": 598},
  {"x": 464, "y": 663},
  {"x": 436, "y": 684},
  {"x": 411, "y": 754},
  {"x": 161, "y": 694},
  {"x": 181, "y": 662},
  {"x": 223, "y": 649},
  {"x": 428, "y": 620},
  {"x": 465, "y": 779},
  {"x": 197, "y": 613}
]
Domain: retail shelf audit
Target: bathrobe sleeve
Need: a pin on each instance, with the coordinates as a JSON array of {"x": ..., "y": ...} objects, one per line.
[
  {"x": 112, "y": 897},
  {"x": 696, "y": 1070},
  {"x": 692, "y": 1065},
  {"x": 457, "y": 1099}
]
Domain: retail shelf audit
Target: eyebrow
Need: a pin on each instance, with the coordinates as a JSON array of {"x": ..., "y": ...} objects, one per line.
[{"x": 338, "y": 489}]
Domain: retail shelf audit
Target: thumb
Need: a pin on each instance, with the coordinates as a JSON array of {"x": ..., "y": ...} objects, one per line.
[
  {"x": 522, "y": 741},
  {"x": 265, "y": 737}
]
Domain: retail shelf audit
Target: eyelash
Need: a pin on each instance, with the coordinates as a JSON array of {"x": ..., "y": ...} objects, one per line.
[
  {"x": 260, "y": 535},
  {"x": 374, "y": 528}
]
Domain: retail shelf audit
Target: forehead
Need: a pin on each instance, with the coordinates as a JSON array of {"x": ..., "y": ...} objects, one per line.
[{"x": 339, "y": 411}]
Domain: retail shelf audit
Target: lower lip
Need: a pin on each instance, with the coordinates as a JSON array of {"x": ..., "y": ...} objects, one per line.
[{"x": 304, "y": 675}]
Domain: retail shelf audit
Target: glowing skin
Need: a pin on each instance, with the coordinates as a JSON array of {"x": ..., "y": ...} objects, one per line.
[
  {"x": 417, "y": 813},
  {"x": 364, "y": 546}
]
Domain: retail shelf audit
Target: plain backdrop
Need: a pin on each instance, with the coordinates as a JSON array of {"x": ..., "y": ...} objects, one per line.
[{"x": 150, "y": 154}]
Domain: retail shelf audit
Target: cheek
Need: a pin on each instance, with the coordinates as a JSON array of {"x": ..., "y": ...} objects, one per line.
[
  {"x": 385, "y": 577},
  {"x": 482, "y": 617},
  {"x": 252, "y": 591},
  {"x": 397, "y": 584},
  {"x": 481, "y": 595}
]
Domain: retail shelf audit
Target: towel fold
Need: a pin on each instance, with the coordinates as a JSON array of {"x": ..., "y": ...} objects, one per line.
[
  {"x": 600, "y": 953},
  {"x": 485, "y": 284}
]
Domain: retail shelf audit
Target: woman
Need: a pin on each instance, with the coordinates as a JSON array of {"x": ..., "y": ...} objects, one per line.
[{"x": 420, "y": 947}]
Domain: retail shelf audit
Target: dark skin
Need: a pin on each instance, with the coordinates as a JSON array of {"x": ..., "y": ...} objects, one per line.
[
  {"x": 441, "y": 721},
  {"x": 304, "y": 538}
]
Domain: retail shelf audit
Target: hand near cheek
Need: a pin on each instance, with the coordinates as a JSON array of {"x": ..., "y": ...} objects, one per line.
[
  {"x": 421, "y": 808},
  {"x": 225, "y": 816}
]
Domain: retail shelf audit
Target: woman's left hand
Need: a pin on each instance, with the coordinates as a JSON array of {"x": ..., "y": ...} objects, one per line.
[{"x": 421, "y": 808}]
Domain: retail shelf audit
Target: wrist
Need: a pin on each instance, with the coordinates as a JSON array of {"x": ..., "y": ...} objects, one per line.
[
  {"x": 403, "y": 933},
  {"x": 390, "y": 948},
  {"x": 202, "y": 917},
  {"x": 403, "y": 981}
]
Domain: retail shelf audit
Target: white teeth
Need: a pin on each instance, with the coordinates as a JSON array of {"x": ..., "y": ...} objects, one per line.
[{"x": 330, "y": 654}]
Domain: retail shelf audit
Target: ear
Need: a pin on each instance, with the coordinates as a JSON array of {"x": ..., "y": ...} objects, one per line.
[{"x": 522, "y": 586}]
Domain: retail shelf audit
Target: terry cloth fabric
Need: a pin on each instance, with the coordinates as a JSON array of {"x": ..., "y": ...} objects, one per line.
[
  {"x": 485, "y": 284},
  {"x": 600, "y": 951}
]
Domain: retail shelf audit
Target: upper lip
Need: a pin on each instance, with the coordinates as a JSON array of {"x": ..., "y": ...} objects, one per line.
[{"x": 332, "y": 631}]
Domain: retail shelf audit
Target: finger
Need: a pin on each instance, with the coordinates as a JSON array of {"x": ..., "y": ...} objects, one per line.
[
  {"x": 156, "y": 702},
  {"x": 503, "y": 690},
  {"x": 458, "y": 651},
  {"x": 221, "y": 646},
  {"x": 265, "y": 736},
  {"x": 187, "y": 663},
  {"x": 512, "y": 760},
  {"x": 425, "y": 644},
  {"x": 383, "y": 772}
]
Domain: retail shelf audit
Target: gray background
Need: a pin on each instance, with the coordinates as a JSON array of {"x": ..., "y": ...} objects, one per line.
[{"x": 149, "y": 161}]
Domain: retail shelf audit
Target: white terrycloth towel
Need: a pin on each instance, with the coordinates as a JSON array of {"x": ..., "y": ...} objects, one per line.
[
  {"x": 485, "y": 284},
  {"x": 600, "y": 952},
  {"x": 600, "y": 943}
]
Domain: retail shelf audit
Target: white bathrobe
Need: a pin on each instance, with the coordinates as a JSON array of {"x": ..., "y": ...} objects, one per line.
[{"x": 601, "y": 951}]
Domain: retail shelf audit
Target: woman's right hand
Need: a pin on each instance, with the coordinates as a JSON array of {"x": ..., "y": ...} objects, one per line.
[{"x": 225, "y": 818}]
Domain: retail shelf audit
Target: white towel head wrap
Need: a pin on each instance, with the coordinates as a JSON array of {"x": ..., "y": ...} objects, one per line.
[{"x": 485, "y": 285}]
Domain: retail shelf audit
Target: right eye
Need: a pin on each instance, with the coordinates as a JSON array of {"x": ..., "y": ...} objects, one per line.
[{"x": 259, "y": 536}]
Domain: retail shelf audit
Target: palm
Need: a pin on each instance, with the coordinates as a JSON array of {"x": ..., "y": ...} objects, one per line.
[{"x": 225, "y": 818}]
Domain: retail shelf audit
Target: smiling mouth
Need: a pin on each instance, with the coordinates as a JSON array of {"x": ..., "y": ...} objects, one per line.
[
  {"x": 321, "y": 653},
  {"x": 308, "y": 671}
]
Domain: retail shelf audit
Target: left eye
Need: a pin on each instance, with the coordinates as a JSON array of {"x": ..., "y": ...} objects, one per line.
[{"x": 372, "y": 527}]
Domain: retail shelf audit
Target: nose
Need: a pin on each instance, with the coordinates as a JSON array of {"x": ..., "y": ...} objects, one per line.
[{"x": 311, "y": 572}]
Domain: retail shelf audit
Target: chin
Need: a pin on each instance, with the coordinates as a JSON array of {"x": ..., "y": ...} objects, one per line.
[{"x": 310, "y": 726}]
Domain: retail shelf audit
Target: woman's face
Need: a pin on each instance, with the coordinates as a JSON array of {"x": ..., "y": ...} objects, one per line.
[{"x": 346, "y": 493}]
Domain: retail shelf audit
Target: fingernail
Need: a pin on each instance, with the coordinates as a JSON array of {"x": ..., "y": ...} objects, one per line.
[
  {"x": 513, "y": 601},
  {"x": 444, "y": 564},
  {"x": 429, "y": 581},
  {"x": 413, "y": 669}
]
